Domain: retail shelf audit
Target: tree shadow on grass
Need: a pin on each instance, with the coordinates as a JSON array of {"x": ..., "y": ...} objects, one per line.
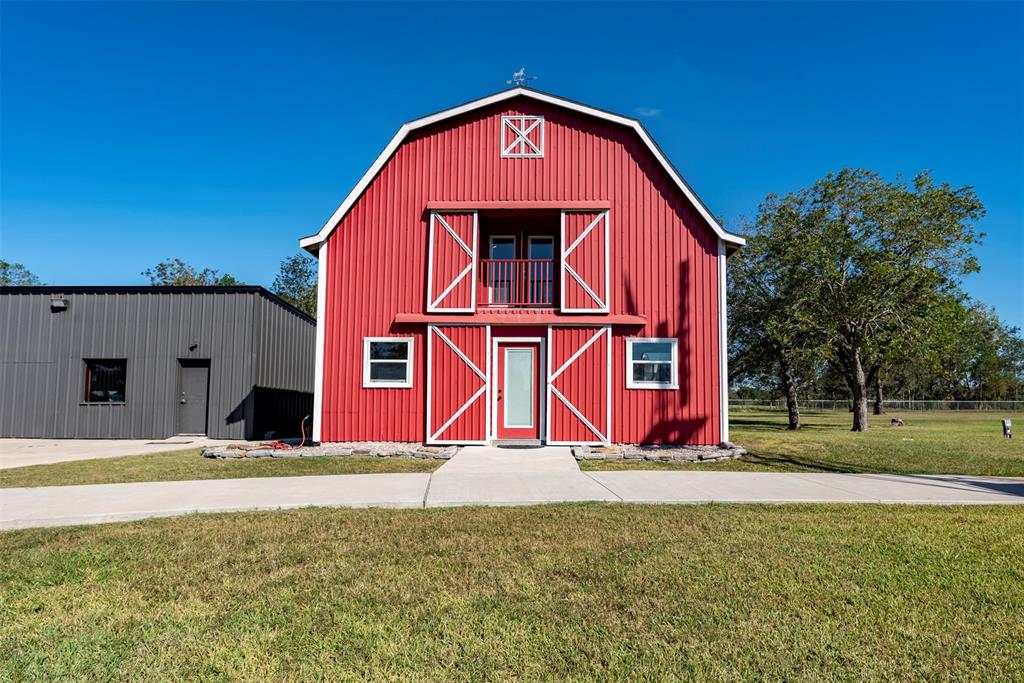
[{"x": 793, "y": 463}]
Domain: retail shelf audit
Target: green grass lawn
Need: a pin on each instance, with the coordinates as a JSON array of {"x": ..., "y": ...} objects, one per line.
[
  {"x": 936, "y": 442},
  {"x": 185, "y": 465},
  {"x": 933, "y": 442},
  {"x": 581, "y": 592}
]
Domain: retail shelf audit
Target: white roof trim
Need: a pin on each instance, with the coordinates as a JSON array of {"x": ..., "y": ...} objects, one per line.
[{"x": 314, "y": 241}]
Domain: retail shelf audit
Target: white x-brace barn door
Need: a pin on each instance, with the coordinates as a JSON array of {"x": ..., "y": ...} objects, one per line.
[
  {"x": 584, "y": 277},
  {"x": 451, "y": 262},
  {"x": 458, "y": 362},
  {"x": 579, "y": 385}
]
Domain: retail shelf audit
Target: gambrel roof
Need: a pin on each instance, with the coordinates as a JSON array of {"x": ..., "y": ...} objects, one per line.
[{"x": 313, "y": 242}]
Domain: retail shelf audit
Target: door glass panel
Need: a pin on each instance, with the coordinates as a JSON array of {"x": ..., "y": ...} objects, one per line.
[
  {"x": 518, "y": 387},
  {"x": 503, "y": 247},
  {"x": 542, "y": 248}
]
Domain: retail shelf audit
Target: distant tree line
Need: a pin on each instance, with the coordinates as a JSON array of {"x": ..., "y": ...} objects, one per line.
[
  {"x": 852, "y": 288},
  {"x": 295, "y": 281}
]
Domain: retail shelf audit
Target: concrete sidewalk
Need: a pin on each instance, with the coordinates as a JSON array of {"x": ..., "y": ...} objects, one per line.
[
  {"x": 24, "y": 452},
  {"x": 486, "y": 476},
  {"x": 99, "y": 503}
]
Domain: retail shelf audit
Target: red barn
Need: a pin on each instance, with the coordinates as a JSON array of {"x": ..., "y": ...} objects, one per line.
[{"x": 522, "y": 267}]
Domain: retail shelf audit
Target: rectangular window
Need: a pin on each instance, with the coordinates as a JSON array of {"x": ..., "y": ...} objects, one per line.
[
  {"x": 387, "y": 362},
  {"x": 105, "y": 380},
  {"x": 652, "y": 363}
]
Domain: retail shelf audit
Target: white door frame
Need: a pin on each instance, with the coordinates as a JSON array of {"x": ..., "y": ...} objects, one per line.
[{"x": 492, "y": 426}]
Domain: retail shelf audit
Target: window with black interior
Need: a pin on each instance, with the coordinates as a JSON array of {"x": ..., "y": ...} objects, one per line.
[
  {"x": 387, "y": 362},
  {"x": 105, "y": 380}
]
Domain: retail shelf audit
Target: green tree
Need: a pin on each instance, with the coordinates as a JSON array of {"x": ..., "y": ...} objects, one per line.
[
  {"x": 177, "y": 273},
  {"x": 16, "y": 275},
  {"x": 878, "y": 258},
  {"x": 768, "y": 339},
  {"x": 296, "y": 282}
]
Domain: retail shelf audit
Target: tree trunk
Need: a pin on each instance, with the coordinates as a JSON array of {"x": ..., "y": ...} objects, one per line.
[
  {"x": 789, "y": 389},
  {"x": 879, "y": 408},
  {"x": 856, "y": 380}
]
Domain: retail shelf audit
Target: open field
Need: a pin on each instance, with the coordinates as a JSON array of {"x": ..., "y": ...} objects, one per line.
[
  {"x": 588, "y": 592},
  {"x": 931, "y": 442},
  {"x": 187, "y": 465}
]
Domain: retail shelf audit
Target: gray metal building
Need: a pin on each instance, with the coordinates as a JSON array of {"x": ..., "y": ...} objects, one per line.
[{"x": 153, "y": 362}]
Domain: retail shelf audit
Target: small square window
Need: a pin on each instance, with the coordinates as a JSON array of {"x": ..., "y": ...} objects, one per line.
[
  {"x": 652, "y": 363},
  {"x": 522, "y": 137},
  {"x": 387, "y": 362},
  {"x": 105, "y": 380}
]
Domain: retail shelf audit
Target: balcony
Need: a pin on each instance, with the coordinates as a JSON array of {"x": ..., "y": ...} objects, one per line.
[{"x": 517, "y": 283}]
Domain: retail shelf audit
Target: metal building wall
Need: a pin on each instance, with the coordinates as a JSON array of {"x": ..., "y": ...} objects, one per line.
[
  {"x": 284, "y": 345},
  {"x": 42, "y": 369},
  {"x": 285, "y": 351},
  {"x": 663, "y": 262}
]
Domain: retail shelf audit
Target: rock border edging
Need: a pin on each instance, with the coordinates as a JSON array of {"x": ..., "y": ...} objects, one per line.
[
  {"x": 723, "y": 451},
  {"x": 368, "y": 448}
]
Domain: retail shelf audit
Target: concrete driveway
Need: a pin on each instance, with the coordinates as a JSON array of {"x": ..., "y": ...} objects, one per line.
[
  {"x": 23, "y": 452},
  {"x": 488, "y": 476}
]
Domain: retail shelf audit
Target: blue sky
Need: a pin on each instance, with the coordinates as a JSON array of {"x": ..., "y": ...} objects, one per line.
[{"x": 221, "y": 133}]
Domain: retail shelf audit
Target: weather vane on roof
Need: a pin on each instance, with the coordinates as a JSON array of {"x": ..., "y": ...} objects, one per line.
[{"x": 519, "y": 78}]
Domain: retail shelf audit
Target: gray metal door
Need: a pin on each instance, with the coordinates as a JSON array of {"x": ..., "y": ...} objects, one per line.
[{"x": 193, "y": 390}]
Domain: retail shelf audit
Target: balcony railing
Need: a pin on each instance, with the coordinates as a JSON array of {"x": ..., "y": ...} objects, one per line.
[{"x": 518, "y": 282}]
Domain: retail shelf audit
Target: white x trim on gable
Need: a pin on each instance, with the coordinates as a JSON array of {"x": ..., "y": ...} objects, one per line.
[
  {"x": 522, "y": 129},
  {"x": 313, "y": 242}
]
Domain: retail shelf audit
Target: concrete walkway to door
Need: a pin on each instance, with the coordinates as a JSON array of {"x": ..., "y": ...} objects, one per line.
[
  {"x": 489, "y": 476},
  {"x": 493, "y": 475}
]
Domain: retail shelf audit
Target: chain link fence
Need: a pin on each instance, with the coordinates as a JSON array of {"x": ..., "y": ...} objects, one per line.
[{"x": 891, "y": 405}]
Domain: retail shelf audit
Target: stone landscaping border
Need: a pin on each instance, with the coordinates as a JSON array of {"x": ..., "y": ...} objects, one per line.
[
  {"x": 380, "y": 449},
  {"x": 624, "y": 451}
]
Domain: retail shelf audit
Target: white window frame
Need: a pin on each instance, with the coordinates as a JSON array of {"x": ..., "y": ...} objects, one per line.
[
  {"x": 520, "y": 126},
  {"x": 633, "y": 384},
  {"x": 388, "y": 384}
]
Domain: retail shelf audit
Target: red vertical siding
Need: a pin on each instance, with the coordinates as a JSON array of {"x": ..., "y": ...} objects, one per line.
[
  {"x": 583, "y": 383},
  {"x": 663, "y": 266},
  {"x": 587, "y": 259},
  {"x": 450, "y": 287},
  {"x": 453, "y": 384}
]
